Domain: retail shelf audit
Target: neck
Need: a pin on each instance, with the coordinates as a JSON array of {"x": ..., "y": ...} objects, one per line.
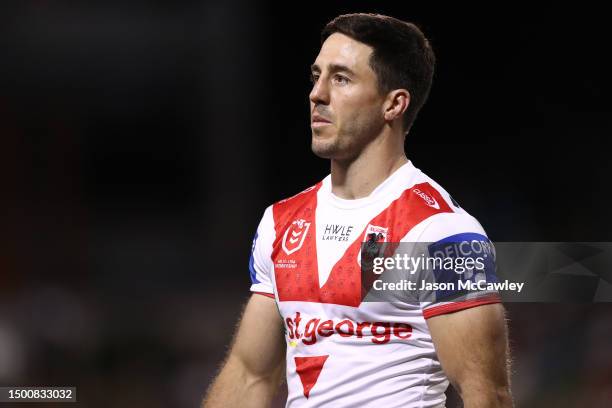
[{"x": 358, "y": 177}]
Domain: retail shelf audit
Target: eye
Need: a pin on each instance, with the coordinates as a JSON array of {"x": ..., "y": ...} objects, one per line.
[
  {"x": 314, "y": 77},
  {"x": 341, "y": 79}
]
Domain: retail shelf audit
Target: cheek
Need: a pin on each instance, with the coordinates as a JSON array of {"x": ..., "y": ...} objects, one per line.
[
  {"x": 356, "y": 109},
  {"x": 361, "y": 114}
]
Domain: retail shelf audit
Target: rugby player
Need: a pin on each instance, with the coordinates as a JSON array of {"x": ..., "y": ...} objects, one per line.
[{"x": 306, "y": 321}]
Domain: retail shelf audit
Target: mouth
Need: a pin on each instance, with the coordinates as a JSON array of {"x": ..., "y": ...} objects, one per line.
[{"x": 318, "y": 121}]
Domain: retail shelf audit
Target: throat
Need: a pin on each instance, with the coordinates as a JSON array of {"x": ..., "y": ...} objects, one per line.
[{"x": 359, "y": 179}]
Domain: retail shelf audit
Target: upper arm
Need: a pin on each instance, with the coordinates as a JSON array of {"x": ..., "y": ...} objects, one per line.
[
  {"x": 472, "y": 346},
  {"x": 259, "y": 344},
  {"x": 467, "y": 326},
  {"x": 254, "y": 367}
]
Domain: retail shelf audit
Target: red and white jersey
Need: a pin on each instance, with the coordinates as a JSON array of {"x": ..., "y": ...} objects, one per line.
[{"x": 342, "y": 352}]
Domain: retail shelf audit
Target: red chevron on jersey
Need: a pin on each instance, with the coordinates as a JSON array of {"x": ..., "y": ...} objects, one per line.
[{"x": 296, "y": 271}]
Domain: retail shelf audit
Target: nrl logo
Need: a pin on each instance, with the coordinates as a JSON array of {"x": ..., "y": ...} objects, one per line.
[{"x": 294, "y": 236}]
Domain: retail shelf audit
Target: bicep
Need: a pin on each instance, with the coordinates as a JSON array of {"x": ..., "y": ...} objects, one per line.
[
  {"x": 259, "y": 343},
  {"x": 472, "y": 346}
]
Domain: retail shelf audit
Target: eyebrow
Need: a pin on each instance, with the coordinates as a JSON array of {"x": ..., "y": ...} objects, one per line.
[{"x": 333, "y": 68}]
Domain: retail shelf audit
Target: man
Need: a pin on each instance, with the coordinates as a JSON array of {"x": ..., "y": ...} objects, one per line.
[{"x": 307, "y": 317}]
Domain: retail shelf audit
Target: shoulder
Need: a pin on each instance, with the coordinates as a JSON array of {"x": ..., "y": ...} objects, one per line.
[
  {"x": 427, "y": 188},
  {"x": 301, "y": 196},
  {"x": 458, "y": 226},
  {"x": 302, "y": 203},
  {"x": 451, "y": 221},
  {"x": 279, "y": 215}
]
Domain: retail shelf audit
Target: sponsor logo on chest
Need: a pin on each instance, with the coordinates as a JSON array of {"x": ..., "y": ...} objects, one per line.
[
  {"x": 310, "y": 330},
  {"x": 337, "y": 232}
]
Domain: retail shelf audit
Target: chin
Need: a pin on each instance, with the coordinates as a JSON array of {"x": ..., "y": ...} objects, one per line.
[{"x": 323, "y": 149}]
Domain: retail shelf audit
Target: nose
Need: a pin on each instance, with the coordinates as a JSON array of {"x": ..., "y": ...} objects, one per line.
[{"x": 319, "y": 95}]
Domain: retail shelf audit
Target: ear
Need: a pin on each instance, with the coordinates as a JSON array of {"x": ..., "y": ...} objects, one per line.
[{"x": 396, "y": 104}]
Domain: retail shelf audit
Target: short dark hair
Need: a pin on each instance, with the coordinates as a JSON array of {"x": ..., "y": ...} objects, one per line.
[{"x": 402, "y": 57}]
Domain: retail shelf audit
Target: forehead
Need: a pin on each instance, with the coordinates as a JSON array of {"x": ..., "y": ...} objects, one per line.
[{"x": 343, "y": 50}]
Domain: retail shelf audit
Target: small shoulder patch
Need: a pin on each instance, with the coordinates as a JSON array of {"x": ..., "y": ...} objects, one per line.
[{"x": 429, "y": 196}]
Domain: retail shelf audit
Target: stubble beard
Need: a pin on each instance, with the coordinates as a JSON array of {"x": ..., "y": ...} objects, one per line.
[
  {"x": 325, "y": 147},
  {"x": 344, "y": 145}
]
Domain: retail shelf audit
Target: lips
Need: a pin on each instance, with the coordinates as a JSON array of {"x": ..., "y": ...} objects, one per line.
[{"x": 319, "y": 119}]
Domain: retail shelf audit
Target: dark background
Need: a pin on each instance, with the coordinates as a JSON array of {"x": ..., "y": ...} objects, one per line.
[{"x": 141, "y": 141}]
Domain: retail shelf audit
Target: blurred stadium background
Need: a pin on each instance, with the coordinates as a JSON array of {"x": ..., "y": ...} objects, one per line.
[{"x": 141, "y": 141}]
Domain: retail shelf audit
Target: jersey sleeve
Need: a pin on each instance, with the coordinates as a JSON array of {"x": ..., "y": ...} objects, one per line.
[
  {"x": 260, "y": 263},
  {"x": 456, "y": 283}
]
